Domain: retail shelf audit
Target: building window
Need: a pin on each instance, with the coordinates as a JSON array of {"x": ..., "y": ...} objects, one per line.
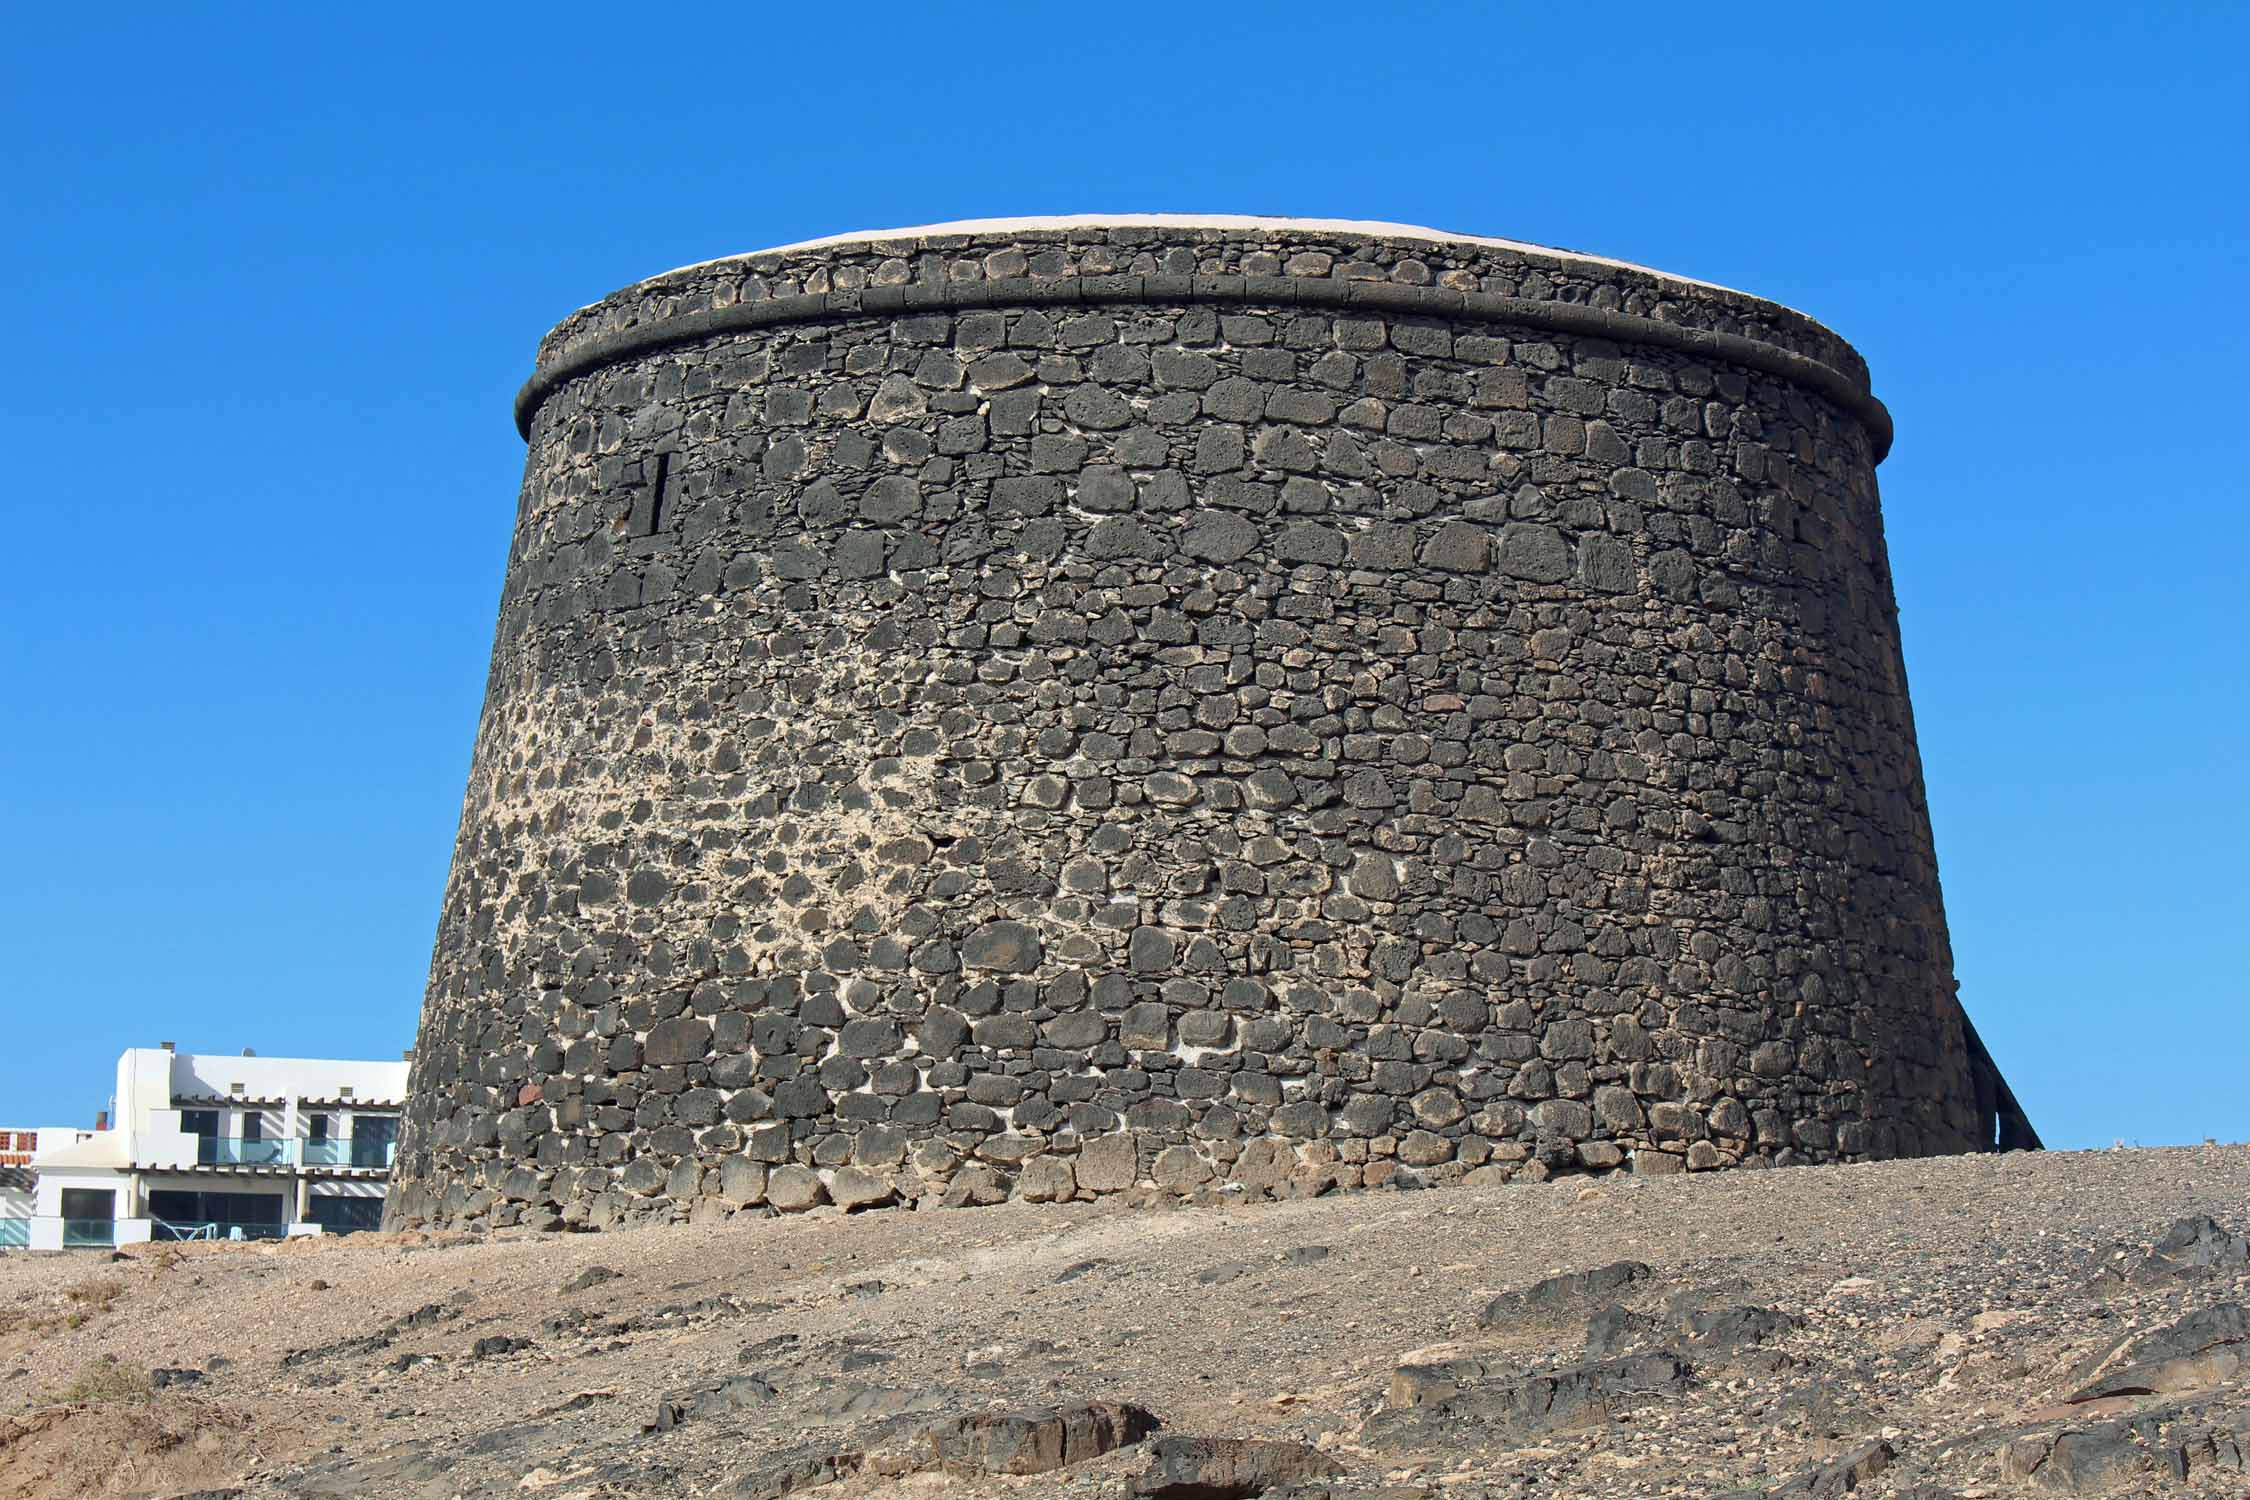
[
  {"x": 89, "y": 1216},
  {"x": 316, "y": 1128},
  {"x": 373, "y": 1140},
  {"x": 253, "y": 1125}
]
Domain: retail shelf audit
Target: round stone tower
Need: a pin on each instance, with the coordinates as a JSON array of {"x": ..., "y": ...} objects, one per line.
[{"x": 1184, "y": 705}]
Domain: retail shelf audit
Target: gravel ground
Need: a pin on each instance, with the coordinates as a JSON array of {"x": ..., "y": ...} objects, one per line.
[{"x": 1969, "y": 1326}]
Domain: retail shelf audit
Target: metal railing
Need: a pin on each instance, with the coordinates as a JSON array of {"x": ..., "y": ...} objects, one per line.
[
  {"x": 86, "y": 1232},
  {"x": 215, "y": 1229}
]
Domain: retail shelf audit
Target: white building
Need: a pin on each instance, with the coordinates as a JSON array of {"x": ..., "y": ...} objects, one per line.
[
  {"x": 213, "y": 1147},
  {"x": 18, "y": 1183}
]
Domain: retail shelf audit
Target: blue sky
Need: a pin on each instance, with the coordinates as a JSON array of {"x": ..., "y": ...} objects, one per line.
[{"x": 271, "y": 275}]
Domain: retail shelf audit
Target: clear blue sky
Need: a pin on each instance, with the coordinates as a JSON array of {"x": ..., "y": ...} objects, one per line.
[{"x": 271, "y": 275}]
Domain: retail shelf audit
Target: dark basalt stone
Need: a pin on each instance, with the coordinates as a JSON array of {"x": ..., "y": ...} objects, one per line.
[{"x": 1176, "y": 709}]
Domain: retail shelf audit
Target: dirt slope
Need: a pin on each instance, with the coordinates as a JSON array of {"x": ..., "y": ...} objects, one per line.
[{"x": 1974, "y": 1327}]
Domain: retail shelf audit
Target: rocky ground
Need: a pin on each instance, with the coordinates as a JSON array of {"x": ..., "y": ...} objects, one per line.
[{"x": 1968, "y": 1327}]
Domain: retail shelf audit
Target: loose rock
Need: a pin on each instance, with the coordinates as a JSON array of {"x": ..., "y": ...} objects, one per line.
[
  {"x": 1216, "y": 1468},
  {"x": 1031, "y": 1443}
]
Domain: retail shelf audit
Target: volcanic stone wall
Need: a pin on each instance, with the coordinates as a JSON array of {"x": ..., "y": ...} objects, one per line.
[{"x": 1182, "y": 709}]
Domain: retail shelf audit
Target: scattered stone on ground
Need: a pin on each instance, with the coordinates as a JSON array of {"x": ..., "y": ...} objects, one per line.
[
  {"x": 1558, "y": 1296},
  {"x": 1975, "y": 1328},
  {"x": 592, "y": 1276}
]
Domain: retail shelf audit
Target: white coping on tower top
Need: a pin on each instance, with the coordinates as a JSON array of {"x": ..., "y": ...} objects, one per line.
[{"x": 1375, "y": 227}]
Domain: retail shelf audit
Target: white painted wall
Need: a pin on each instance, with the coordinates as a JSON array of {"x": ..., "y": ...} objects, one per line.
[
  {"x": 285, "y": 1077},
  {"x": 87, "y": 1148}
]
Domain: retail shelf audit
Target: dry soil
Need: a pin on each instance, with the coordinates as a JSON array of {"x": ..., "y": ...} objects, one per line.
[{"x": 1969, "y": 1327}]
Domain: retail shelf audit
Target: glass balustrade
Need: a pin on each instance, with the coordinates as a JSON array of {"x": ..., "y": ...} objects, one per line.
[
  {"x": 82, "y": 1232},
  {"x": 228, "y": 1151},
  {"x": 15, "y": 1234},
  {"x": 375, "y": 1154}
]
